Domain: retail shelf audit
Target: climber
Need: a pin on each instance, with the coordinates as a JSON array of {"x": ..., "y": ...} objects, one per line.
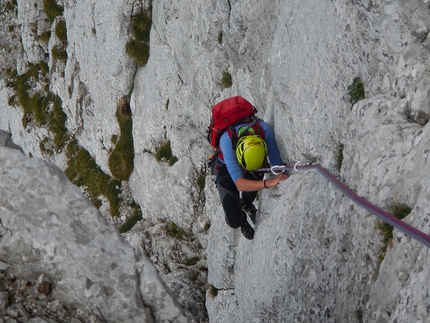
[{"x": 235, "y": 170}]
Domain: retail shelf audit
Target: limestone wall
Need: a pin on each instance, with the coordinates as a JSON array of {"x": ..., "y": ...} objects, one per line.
[{"x": 316, "y": 256}]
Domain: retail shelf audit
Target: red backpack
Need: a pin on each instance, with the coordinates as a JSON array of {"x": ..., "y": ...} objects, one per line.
[
  {"x": 225, "y": 116},
  {"x": 226, "y": 113}
]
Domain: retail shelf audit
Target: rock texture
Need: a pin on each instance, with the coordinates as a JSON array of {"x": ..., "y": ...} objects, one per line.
[
  {"x": 49, "y": 228},
  {"x": 316, "y": 256}
]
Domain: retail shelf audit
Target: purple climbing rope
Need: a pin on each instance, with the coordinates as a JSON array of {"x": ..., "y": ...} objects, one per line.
[{"x": 384, "y": 216}]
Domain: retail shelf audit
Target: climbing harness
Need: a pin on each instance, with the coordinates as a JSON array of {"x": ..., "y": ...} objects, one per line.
[{"x": 381, "y": 214}]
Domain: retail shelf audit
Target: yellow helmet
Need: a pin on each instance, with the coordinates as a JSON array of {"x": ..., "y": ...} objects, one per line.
[{"x": 251, "y": 152}]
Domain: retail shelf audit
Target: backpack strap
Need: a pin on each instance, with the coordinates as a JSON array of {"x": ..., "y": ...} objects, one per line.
[
  {"x": 253, "y": 124},
  {"x": 233, "y": 136},
  {"x": 232, "y": 133}
]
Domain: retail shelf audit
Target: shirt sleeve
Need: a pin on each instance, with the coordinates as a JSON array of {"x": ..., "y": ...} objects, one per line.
[
  {"x": 230, "y": 160},
  {"x": 272, "y": 148}
]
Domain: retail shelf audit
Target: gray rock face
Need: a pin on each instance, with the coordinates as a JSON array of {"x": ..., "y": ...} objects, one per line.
[
  {"x": 65, "y": 224},
  {"x": 49, "y": 228},
  {"x": 316, "y": 255},
  {"x": 6, "y": 141},
  {"x": 33, "y": 22}
]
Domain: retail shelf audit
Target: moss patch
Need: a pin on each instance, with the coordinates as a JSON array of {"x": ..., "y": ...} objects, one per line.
[
  {"x": 31, "y": 101},
  {"x": 61, "y": 30},
  {"x": 131, "y": 221},
  {"x": 11, "y": 5},
  {"x": 174, "y": 231},
  {"x": 52, "y": 9},
  {"x": 57, "y": 123},
  {"x": 356, "y": 90},
  {"x": 207, "y": 227},
  {"x": 201, "y": 181},
  {"x": 40, "y": 105},
  {"x": 339, "y": 157},
  {"x": 138, "y": 47},
  {"x": 213, "y": 291},
  {"x": 41, "y": 108},
  {"x": 192, "y": 261},
  {"x": 45, "y": 36},
  {"x": 226, "y": 80},
  {"x": 220, "y": 35},
  {"x": 386, "y": 230},
  {"x": 46, "y": 147},
  {"x": 164, "y": 154},
  {"x": 59, "y": 53},
  {"x": 121, "y": 160},
  {"x": 83, "y": 171}
]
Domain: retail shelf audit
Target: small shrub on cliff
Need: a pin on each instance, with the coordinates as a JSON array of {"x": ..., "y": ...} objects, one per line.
[
  {"x": 11, "y": 101},
  {"x": 139, "y": 51},
  {"x": 201, "y": 181},
  {"x": 131, "y": 221},
  {"x": 172, "y": 160},
  {"x": 356, "y": 90},
  {"x": 220, "y": 35},
  {"x": 41, "y": 105},
  {"x": 83, "y": 171},
  {"x": 57, "y": 123},
  {"x": 164, "y": 153},
  {"x": 226, "y": 81},
  {"x": 386, "y": 230},
  {"x": 33, "y": 103},
  {"x": 339, "y": 157},
  {"x": 141, "y": 24},
  {"x": 45, "y": 147},
  {"x": 207, "y": 227},
  {"x": 59, "y": 53},
  {"x": 114, "y": 139},
  {"x": 138, "y": 47},
  {"x": 45, "y": 36},
  {"x": 11, "y": 5},
  {"x": 213, "y": 291},
  {"x": 52, "y": 9},
  {"x": 192, "y": 261},
  {"x": 44, "y": 68},
  {"x": 121, "y": 160},
  {"x": 174, "y": 231},
  {"x": 61, "y": 30}
]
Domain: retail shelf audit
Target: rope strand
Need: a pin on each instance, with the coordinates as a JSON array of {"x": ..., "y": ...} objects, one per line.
[{"x": 383, "y": 215}]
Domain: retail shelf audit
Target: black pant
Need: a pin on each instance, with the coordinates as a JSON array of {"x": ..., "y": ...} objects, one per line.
[{"x": 229, "y": 195}]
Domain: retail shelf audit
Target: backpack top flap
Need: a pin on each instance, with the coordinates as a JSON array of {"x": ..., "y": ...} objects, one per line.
[{"x": 230, "y": 111}]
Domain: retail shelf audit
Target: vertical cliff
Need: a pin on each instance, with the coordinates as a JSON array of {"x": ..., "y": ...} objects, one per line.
[{"x": 316, "y": 255}]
